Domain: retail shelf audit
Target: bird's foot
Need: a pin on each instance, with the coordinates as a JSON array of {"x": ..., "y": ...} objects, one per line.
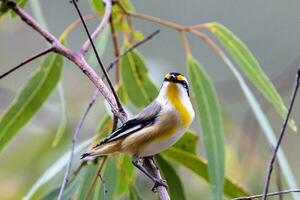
[{"x": 159, "y": 182}]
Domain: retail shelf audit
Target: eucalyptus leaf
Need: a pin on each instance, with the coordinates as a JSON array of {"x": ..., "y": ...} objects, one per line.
[
  {"x": 208, "y": 110},
  {"x": 68, "y": 193},
  {"x": 265, "y": 126},
  {"x": 134, "y": 75},
  {"x": 127, "y": 173},
  {"x": 173, "y": 180},
  {"x": 133, "y": 193},
  {"x": 199, "y": 166},
  {"x": 188, "y": 142},
  {"x": 30, "y": 98},
  {"x": 55, "y": 169},
  {"x": 250, "y": 66}
]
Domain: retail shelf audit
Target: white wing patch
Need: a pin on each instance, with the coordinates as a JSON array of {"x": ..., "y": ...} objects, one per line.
[{"x": 133, "y": 129}]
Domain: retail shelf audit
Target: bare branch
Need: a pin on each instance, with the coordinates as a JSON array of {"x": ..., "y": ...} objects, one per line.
[
  {"x": 273, "y": 158},
  {"x": 65, "y": 180},
  {"x": 99, "y": 29},
  {"x": 269, "y": 194},
  {"x": 26, "y": 61},
  {"x": 108, "y": 3},
  {"x": 31, "y": 22}
]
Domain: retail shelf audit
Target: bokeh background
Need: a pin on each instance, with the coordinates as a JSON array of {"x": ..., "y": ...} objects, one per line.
[{"x": 270, "y": 29}]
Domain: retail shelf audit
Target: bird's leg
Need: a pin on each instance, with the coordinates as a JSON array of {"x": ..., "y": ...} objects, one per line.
[{"x": 157, "y": 182}]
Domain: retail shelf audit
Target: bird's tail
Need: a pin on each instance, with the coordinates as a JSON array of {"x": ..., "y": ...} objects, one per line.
[{"x": 101, "y": 150}]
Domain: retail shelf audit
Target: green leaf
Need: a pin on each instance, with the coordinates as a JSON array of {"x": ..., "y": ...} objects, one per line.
[
  {"x": 188, "y": 142},
  {"x": 110, "y": 176},
  {"x": 127, "y": 173},
  {"x": 134, "y": 76},
  {"x": 196, "y": 164},
  {"x": 68, "y": 193},
  {"x": 30, "y": 98},
  {"x": 97, "y": 5},
  {"x": 60, "y": 131},
  {"x": 207, "y": 108},
  {"x": 169, "y": 173},
  {"x": 133, "y": 193},
  {"x": 88, "y": 174},
  {"x": 55, "y": 169},
  {"x": 250, "y": 66},
  {"x": 122, "y": 94},
  {"x": 265, "y": 126}
]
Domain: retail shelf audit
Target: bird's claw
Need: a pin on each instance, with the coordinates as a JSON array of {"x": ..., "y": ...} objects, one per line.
[{"x": 159, "y": 182}]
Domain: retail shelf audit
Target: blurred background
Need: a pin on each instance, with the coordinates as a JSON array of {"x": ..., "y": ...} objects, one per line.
[{"x": 269, "y": 28}]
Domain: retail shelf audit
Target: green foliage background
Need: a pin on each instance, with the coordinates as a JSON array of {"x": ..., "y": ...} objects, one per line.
[{"x": 218, "y": 160}]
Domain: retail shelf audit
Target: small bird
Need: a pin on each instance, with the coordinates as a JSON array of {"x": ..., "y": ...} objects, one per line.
[{"x": 156, "y": 128}]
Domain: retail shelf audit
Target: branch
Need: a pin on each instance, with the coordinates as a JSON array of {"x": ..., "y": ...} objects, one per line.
[
  {"x": 99, "y": 29},
  {"x": 26, "y": 61},
  {"x": 75, "y": 57},
  {"x": 93, "y": 100},
  {"x": 65, "y": 180},
  {"x": 269, "y": 194},
  {"x": 273, "y": 158},
  {"x": 108, "y": 4},
  {"x": 151, "y": 167}
]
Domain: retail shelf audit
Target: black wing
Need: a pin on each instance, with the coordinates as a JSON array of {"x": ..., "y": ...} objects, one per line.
[{"x": 145, "y": 118}]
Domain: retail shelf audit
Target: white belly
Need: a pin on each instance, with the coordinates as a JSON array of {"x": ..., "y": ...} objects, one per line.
[{"x": 160, "y": 145}]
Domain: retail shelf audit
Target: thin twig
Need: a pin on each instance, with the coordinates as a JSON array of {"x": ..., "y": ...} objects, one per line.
[
  {"x": 273, "y": 158},
  {"x": 104, "y": 188},
  {"x": 132, "y": 48},
  {"x": 98, "y": 30},
  {"x": 74, "y": 139},
  {"x": 92, "y": 185},
  {"x": 26, "y": 61},
  {"x": 269, "y": 194}
]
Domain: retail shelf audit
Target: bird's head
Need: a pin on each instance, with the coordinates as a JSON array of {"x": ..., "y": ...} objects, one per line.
[{"x": 179, "y": 80}]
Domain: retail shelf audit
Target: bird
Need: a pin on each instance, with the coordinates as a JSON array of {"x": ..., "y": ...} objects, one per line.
[{"x": 155, "y": 128}]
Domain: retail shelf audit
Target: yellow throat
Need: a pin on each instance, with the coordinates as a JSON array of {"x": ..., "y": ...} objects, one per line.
[{"x": 174, "y": 97}]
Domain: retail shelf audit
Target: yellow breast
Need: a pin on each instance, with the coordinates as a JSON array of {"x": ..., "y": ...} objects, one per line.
[{"x": 174, "y": 97}]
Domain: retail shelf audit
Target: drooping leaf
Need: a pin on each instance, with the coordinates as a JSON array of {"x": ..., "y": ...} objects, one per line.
[
  {"x": 55, "y": 169},
  {"x": 60, "y": 131},
  {"x": 88, "y": 173},
  {"x": 127, "y": 173},
  {"x": 133, "y": 193},
  {"x": 188, "y": 142},
  {"x": 122, "y": 94},
  {"x": 111, "y": 176},
  {"x": 169, "y": 173},
  {"x": 250, "y": 66},
  {"x": 30, "y": 98},
  {"x": 265, "y": 126},
  {"x": 134, "y": 75},
  {"x": 208, "y": 111},
  {"x": 69, "y": 191},
  {"x": 199, "y": 166}
]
